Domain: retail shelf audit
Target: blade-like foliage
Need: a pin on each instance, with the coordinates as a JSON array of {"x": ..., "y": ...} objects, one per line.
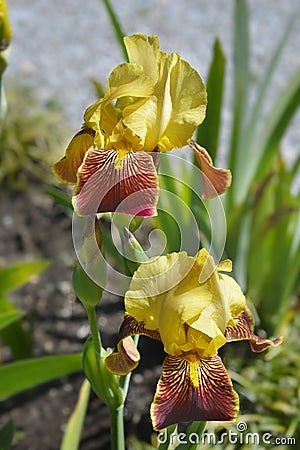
[
  {"x": 14, "y": 276},
  {"x": 18, "y": 376},
  {"x": 71, "y": 439}
]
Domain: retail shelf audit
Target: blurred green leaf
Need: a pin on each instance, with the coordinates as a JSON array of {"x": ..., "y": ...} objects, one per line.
[
  {"x": 277, "y": 122},
  {"x": 71, "y": 439},
  {"x": 252, "y": 153},
  {"x": 208, "y": 131},
  {"x": 7, "y": 435},
  {"x": 60, "y": 197},
  {"x": 196, "y": 429},
  {"x": 132, "y": 251},
  {"x": 117, "y": 27},
  {"x": 241, "y": 80},
  {"x": 13, "y": 334},
  {"x": 98, "y": 88},
  {"x": 8, "y": 317},
  {"x": 18, "y": 376},
  {"x": 14, "y": 276},
  {"x": 166, "y": 437}
]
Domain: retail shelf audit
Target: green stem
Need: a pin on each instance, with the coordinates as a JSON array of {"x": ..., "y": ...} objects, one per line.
[
  {"x": 91, "y": 312},
  {"x": 117, "y": 428}
]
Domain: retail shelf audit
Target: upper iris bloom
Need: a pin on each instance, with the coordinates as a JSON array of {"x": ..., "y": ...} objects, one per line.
[
  {"x": 193, "y": 308},
  {"x": 152, "y": 104}
]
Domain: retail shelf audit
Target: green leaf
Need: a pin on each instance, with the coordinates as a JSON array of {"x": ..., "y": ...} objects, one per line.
[
  {"x": 241, "y": 80},
  {"x": 18, "y": 376},
  {"x": 208, "y": 131},
  {"x": 8, "y": 317},
  {"x": 60, "y": 197},
  {"x": 196, "y": 429},
  {"x": 256, "y": 112},
  {"x": 71, "y": 439},
  {"x": 6, "y": 435},
  {"x": 166, "y": 436},
  {"x": 14, "y": 335},
  {"x": 14, "y": 276},
  {"x": 98, "y": 88},
  {"x": 134, "y": 253},
  {"x": 279, "y": 118},
  {"x": 117, "y": 27}
]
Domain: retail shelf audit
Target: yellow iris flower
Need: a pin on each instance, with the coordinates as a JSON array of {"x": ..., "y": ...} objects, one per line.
[
  {"x": 152, "y": 104},
  {"x": 193, "y": 318}
]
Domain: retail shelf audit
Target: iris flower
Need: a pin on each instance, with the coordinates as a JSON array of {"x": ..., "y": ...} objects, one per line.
[
  {"x": 192, "y": 318},
  {"x": 152, "y": 104}
]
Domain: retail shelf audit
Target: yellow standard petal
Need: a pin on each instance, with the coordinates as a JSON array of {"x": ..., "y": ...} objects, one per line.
[
  {"x": 178, "y": 103},
  {"x": 182, "y": 297},
  {"x": 183, "y": 102},
  {"x": 144, "y": 51},
  {"x": 151, "y": 284}
]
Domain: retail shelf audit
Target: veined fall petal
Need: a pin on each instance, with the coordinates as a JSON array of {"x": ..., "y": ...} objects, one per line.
[
  {"x": 193, "y": 389},
  {"x": 243, "y": 329},
  {"x": 110, "y": 182}
]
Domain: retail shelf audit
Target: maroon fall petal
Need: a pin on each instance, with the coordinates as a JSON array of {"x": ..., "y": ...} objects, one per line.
[
  {"x": 107, "y": 183},
  {"x": 126, "y": 357},
  {"x": 243, "y": 330},
  {"x": 193, "y": 391}
]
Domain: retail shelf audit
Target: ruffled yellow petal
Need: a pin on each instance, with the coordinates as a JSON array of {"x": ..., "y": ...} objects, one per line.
[
  {"x": 177, "y": 106},
  {"x": 234, "y": 295},
  {"x": 141, "y": 120},
  {"x": 225, "y": 265},
  {"x": 128, "y": 79},
  {"x": 183, "y": 102},
  {"x": 144, "y": 51},
  {"x": 167, "y": 293},
  {"x": 102, "y": 119},
  {"x": 151, "y": 283}
]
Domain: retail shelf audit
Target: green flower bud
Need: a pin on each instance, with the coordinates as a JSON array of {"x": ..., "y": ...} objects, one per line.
[
  {"x": 87, "y": 291},
  {"x": 104, "y": 383}
]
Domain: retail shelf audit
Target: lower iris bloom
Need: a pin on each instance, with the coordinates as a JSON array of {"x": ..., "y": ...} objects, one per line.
[
  {"x": 152, "y": 104},
  {"x": 193, "y": 308}
]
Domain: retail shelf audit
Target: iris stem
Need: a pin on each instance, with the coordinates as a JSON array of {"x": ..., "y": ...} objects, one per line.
[
  {"x": 91, "y": 312},
  {"x": 117, "y": 428}
]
